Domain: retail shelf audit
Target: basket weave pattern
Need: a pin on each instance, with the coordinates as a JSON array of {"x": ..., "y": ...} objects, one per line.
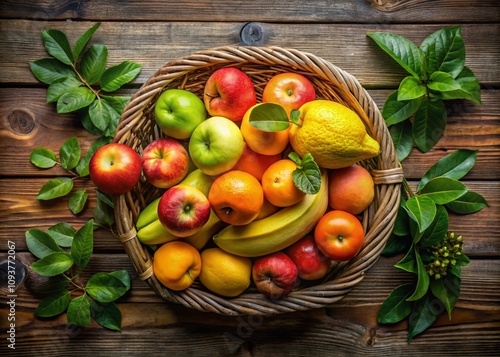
[{"x": 137, "y": 128}]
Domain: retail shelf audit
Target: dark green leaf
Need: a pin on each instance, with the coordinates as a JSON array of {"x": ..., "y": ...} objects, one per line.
[
  {"x": 69, "y": 154},
  {"x": 307, "y": 175},
  {"x": 422, "y": 210},
  {"x": 47, "y": 70},
  {"x": 87, "y": 122},
  {"x": 83, "y": 166},
  {"x": 402, "y": 50},
  {"x": 40, "y": 244},
  {"x": 103, "y": 115},
  {"x": 118, "y": 103},
  {"x": 53, "y": 264},
  {"x": 447, "y": 289},
  {"x": 107, "y": 287},
  {"x": 60, "y": 86},
  {"x": 52, "y": 284},
  {"x": 107, "y": 315},
  {"x": 77, "y": 201},
  {"x": 116, "y": 76},
  {"x": 395, "y": 111},
  {"x": 470, "y": 202},
  {"x": 437, "y": 230},
  {"x": 401, "y": 224},
  {"x": 429, "y": 124},
  {"x": 103, "y": 214},
  {"x": 425, "y": 312},
  {"x": 54, "y": 304},
  {"x": 94, "y": 63},
  {"x": 396, "y": 245},
  {"x": 83, "y": 244},
  {"x": 445, "y": 51},
  {"x": 455, "y": 165},
  {"x": 396, "y": 307},
  {"x": 104, "y": 198},
  {"x": 456, "y": 270},
  {"x": 443, "y": 190},
  {"x": 79, "y": 311},
  {"x": 83, "y": 40},
  {"x": 462, "y": 260},
  {"x": 409, "y": 262},
  {"x": 410, "y": 88},
  {"x": 442, "y": 82},
  {"x": 43, "y": 158},
  {"x": 56, "y": 187},
  {"x": 401, "y": 135},
  {"x": 62, "y": 233},
  {"x": 269, "y": 117},
  {"x": 57, "y": 45},
  {"x": 422, "y": 280},
  {"x": 469, "y": 88},
  {"x": 75, "y": 99}
]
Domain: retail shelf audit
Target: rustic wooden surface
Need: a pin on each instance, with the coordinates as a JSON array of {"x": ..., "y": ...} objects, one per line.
[{"x": 157, "y": 31}]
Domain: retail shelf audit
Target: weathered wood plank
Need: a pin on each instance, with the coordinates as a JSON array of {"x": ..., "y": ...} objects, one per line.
[
  {"x": 373, "y": 11},
  {"x": 156, "y": 43}
]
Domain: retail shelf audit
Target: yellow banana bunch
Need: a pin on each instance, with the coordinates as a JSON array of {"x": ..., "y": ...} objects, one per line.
[
  {"x": 277, "y": 231},
  {"x": 150, "y": 230}
]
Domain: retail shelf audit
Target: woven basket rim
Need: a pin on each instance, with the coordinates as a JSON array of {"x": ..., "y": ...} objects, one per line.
[{"x": 377, "y": 220}]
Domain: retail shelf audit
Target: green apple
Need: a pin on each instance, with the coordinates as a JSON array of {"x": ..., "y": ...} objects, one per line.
[
  {"x": 178, "y": 112},
  {"x": 216, "y": 145}
]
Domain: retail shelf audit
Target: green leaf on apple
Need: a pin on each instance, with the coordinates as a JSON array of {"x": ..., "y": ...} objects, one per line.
[
  {"x": 307, "y": 176},
  {"x": 269, "y": 117}
]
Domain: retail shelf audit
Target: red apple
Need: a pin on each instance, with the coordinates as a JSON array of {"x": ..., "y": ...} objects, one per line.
[
  {"x": 183, "y": 210},
  {"x": 275, "y": 275},
  {"x": 229, "y": 93},
  {"x": 165, "y": 162},
  {"x": 310, "y": 261},
  {"x": 115, "y": 168}
]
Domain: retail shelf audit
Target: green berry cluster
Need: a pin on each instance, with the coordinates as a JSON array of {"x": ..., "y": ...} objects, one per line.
[{"x": 445, "y": 255}]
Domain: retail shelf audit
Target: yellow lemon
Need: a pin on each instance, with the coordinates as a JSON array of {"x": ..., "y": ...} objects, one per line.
[
  {"x": 224, "y": 273},
  {"x": 333, "y": 134}
]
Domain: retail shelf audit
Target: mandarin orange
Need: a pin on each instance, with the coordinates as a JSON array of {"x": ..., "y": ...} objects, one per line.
[{"x": 278, "y": 186}]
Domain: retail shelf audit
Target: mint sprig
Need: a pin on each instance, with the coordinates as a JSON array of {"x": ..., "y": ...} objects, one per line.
[{"x": 307, "y": 175}]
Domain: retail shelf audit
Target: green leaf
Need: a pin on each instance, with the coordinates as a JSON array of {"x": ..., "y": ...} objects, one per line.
[
  {"x": 396, "y": 245},
  {"x": 83, "y": 166},
  {"x": 469, "y": 88},
  {"x": 57, "y": 45},
  {"x": 455, "y": 165},
  {"x": 422, "y": 280},
  {"x": 53, "y": 284},
  {"x": 396, "y": 307},
  {"x": 425, "y": 312},
  {"x": 422, "y": 210},
  {"x": 40, "y": 244},
  {"x": 87, "y": 122},
  {"x": 395, "y": 111},
  {"x": 429, "y": 124},
  {"x": 118, "y": 103},
  {"x": 62, "y": 233},
  {"x": 401, "y": 223},
  {"x": 445, "y": 51},
  {"x": 402, "y": 50},
  {"x": 52, "y": 264},
  {"x": 103, "y": 115},
  {"x": 83, "y": 244},
  {"x": 116, "y": 76},
  {"x": 437, "y": 230},
  {"x": 307, "y": 175},
  {"x": 443, "y": 190},
  {"x": 56, "y": 187},
  {"x": 462, "y": 260},
  {"x": 79, "y": 311},
  {"x": 408, "y": 263},
  {"x": 447, "y": 290},
  {"x": 269, "y": 117},
  {"x": 83, "y": 40},
  {"x": 75, "y": 99},
  {"x": 401, "y": 135},
  {"x": 94, "y": 63},
  {"x": 77, "y": 201},
  {"x": 54, "y": 304},
  {"x": 442, "y": 82},
  {"x": 69, "y": 154},
  {"x": 43, "y": 158},
  {"x": 106, "y": 314},
  {"x": 60, "y": 86},
  {"x": 410, "y": 88},
  {"x": 107, "y": 287},
  {"x": 468, "y": 203},
  {"x": 104, "y": 198},
  {"x": 48, "y": 70},
  {"x": 103, "y": 213}
]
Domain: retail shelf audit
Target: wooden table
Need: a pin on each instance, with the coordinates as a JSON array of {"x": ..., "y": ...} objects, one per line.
[{"x": 155, "y": 32}]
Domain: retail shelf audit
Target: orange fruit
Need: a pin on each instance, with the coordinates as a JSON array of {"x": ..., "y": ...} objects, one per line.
[
  {"x": 177, "y": 264},
  {"x": 350, "y": 189},
  {"x": 236, "y": 197},
  {"x": 254, "y": 163},
  {"x": 260, "y": 141},
  {"x": 278, "y": 186}
]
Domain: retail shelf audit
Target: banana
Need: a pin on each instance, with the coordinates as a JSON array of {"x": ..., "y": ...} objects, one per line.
[
  {"x": 277, "y": 231},
  {"x": 151, "y": 231}
]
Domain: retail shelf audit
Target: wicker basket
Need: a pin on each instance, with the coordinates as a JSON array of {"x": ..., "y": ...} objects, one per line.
[{"x": 137, "y": 128}]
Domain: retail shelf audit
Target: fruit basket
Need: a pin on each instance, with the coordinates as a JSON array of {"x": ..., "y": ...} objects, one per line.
[{"x": 137, "y": 128}]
